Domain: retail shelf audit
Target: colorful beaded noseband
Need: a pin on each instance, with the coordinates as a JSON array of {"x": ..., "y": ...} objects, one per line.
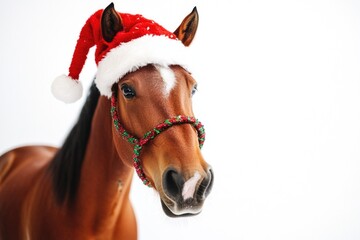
[{"x": 139, "y": 143}]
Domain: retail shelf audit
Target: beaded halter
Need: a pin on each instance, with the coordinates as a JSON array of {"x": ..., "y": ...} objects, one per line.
[{"x": 139, "y": 143}]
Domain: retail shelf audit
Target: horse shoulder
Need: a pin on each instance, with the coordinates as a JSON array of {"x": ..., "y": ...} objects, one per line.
[
  {"x": 32, "y": 157},
  {"x": 20, "y": 170}
]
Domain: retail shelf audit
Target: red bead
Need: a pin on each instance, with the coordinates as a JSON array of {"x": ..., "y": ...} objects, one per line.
[{"x": 137, "y": 165}]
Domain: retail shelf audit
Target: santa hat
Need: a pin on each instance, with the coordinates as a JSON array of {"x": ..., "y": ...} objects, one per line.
[{"x": 139, "y": 43}]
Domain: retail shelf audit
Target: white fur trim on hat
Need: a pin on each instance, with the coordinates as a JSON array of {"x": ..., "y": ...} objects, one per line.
[
  {"x": 130, "y": 56},
  {"x": 66, "y": 89}
]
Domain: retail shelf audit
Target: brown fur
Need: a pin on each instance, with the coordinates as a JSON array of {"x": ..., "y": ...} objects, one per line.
[{"x": 100, "y": 208}]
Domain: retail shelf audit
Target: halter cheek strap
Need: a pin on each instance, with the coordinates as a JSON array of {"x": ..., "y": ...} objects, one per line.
[{"x": 139, "y": 143}]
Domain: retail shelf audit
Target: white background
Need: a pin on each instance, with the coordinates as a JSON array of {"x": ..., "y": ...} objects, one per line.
[{"x": 279, "y": 94}]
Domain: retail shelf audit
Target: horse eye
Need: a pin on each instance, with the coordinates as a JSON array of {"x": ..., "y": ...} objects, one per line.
[
  {"x": 193, "y": 91},
  {"x": 128, "y": 91}
]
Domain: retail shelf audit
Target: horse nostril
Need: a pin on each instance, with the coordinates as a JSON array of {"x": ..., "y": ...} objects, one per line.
[
  {"x": 206, "y": 185},
  {"x": 173, "y": 182},
  {"x": 209, "y": 187}
]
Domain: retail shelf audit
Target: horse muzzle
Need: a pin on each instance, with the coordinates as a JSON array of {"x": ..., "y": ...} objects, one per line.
[{"x": 185, "y": 197}]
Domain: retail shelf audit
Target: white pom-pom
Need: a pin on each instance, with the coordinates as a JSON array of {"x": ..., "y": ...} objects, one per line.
[{"x": 66, "y": 89}]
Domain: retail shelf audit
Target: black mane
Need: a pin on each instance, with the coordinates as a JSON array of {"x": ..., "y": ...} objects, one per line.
[{"x": 66, "y": 165}]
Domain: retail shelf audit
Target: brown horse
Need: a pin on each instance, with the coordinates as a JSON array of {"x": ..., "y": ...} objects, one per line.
[{"x": 81, "y": 191}]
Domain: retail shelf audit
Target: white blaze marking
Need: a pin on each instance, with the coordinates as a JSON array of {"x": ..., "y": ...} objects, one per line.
[
  {"x": 168, "y": 77},
  {"x": 190, "y": 185}
]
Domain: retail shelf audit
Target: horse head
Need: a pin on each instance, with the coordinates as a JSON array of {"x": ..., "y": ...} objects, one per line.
[{"x": 172, "y": 162}]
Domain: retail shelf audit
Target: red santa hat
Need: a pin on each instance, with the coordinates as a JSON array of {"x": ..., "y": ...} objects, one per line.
[{"x": 139, "y": 43}]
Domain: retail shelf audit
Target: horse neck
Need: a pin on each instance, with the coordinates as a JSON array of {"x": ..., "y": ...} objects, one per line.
[{"x": 105, "y": 178}]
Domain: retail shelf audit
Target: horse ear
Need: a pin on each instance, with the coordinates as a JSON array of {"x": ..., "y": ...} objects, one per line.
[
  {"x": 111, "y": 23},
  {"x": 187, "y": 29}
]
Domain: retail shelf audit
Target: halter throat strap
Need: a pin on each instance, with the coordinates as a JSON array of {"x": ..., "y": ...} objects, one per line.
[{"x": 148, "y": 136}]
